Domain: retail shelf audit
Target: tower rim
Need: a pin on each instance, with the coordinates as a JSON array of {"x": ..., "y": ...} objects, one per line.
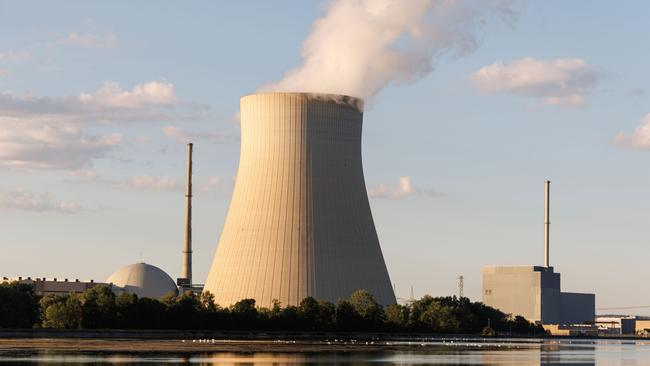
[{"x": 356, "y": 102}]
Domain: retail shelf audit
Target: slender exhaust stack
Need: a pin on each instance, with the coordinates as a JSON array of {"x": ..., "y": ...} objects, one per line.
[
  {"x": 187, "y": 251},
  {"x": 547, "y": 222}
]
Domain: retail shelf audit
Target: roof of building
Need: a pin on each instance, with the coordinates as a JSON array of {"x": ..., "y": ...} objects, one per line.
[{"x": 143, "y": 280}]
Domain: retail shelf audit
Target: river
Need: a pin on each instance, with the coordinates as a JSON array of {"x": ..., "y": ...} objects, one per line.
[{"x": 345, "y": 352}]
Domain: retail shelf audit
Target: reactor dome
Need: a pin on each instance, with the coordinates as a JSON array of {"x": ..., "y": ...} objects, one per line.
[{"x": 143, "y": 280}]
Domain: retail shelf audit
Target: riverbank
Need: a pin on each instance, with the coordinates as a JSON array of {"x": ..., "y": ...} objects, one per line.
[
  {"x": 193, "y": 346},
  {"x": 230, "y": 335}
]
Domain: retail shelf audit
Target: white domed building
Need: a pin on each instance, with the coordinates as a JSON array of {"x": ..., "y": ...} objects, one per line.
[{"x": 143, "y": 280}]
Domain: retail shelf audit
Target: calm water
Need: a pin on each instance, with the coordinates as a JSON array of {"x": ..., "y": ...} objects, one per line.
[{"x": 439, "y": 352}]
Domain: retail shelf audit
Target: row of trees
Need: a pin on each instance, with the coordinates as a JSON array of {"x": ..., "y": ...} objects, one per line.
[{"x": 100, "y": 308}]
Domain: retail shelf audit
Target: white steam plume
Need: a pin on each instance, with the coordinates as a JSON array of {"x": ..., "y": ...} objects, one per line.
[{"x": 360, "y": 46}]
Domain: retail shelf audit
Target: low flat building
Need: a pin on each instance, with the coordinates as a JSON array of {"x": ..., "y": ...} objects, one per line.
[
  {"x": 616, "y": 325},
  {"x": 642, "y": 326},
  {"x": 534, "y": 292},
  {"x": 46, "y": 286},
  {"x": 576, "y": 330}
]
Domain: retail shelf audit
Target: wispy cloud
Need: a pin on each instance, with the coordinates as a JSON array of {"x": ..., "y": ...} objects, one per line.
[
  {"x": 21, "y": 199},
  {"x": 152, "y": 183},
  {"x": 92, "y": 40},
  {"x": 639, "y": 139},
  {"x": 50, "y": 132},
  {"x": 564, "y": 82},
  {"x": 402, "y": 189},
  {"x": 638, "y": 91},
  {"x": 185, "y": 136}
]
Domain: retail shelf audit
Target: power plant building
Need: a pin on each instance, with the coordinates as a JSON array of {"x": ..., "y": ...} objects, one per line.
[
  {"x": 143, "y": 280},
  {"x": 54, "y": 286},
  {"x": 534, "y": 292},
  {"x": 299, "y": 223}
]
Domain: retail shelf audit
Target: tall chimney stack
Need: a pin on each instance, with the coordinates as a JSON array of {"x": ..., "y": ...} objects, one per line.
[
  {"x": 187, "y": 251},
  {"x": 547, "y": 222}
]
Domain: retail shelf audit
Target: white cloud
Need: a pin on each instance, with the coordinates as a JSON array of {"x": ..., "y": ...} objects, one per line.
[
  {"x": 92, "y": 40},
  {"x": 21, "y": 199},
  {"x": 84, "y": 174},
  {"x": 639, "y": 139},
  {"x": 142, "y": 95},
  {"x": 185, "y": 136},
  {"x": 13, "y": 56},
  {"x": 360, "y": 47},
  {"x": 402, "y": 189},
  {"x": 151, "y": 183},
  {"x": 48, "y": 132},
  {"x": 565, "y": 81}
]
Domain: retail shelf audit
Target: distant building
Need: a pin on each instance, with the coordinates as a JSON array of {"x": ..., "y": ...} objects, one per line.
[
  {"x": 534, "y": 293},
  {"x": 583, "y": 330},
  {"x": 143, "y": 280},
  {"x": 616, "y": 325},
  {"x": 53, "y": 286}
]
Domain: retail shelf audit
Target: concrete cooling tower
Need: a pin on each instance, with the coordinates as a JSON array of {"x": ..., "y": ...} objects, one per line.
[{"x": 299, "y": 222}]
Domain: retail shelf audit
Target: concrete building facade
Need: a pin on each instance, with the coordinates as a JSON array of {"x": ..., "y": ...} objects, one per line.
[
  {"x": 54, "y": 286},
  {"x": 534, "y": 292},
  {"x": 299, "y": 223}
]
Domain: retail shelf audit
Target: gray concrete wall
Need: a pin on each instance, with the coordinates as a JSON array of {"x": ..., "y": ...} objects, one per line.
[
  {"x": 551, "y": 304},
  {"x": 514, "y": 290},
  {"x": 578, "y": 308}
]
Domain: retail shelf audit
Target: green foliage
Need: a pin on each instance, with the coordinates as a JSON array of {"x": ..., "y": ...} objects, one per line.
[
  {"x": 62, "y": 311},
  {"x": 18, "y": 305},
  {"x": 371, "y": 313},
  {"x": 99, "y": 308},
  {"x": 397, "y": 316}
]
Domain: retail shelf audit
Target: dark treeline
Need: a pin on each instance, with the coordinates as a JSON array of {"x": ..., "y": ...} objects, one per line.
[{"x": 100, "y": 308}]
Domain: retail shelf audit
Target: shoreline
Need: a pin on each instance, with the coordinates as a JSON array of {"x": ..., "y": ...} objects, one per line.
[
  {"x": 182, "y": 346},
  {"x": 194, "y": 342}
]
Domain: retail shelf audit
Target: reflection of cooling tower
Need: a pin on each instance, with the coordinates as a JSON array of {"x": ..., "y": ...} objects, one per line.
[{"x": 299, "y": 223}]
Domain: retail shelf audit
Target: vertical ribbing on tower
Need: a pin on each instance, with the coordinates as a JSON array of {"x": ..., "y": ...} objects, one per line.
[{"x": 187, "y": 251}]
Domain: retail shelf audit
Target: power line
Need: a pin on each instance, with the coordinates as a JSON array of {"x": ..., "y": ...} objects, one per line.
[{"x": 625, "y": 307}]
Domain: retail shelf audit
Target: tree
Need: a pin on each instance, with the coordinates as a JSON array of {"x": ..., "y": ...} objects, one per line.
[
  {"x": 308, "y": 312},
  {"x": 62, "y": 311},
  {"x": 19, "y": 306},
  {"x": 346, "y": 317},
  {"x": 367, "y": 308},
  {"x": 244, "y": 314},
  {"x": 98, "y": 308},
  {"x": 207, "y": 302},
  {"x": 326, "y": 315},
  {"x": 396, "y": 316}
]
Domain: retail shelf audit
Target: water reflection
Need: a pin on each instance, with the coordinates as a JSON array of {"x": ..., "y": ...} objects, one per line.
[{"x": 433, "y": 352}]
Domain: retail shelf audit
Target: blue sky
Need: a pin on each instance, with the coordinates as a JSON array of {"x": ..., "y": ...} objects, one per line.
[{"x": 118, "y": 87}]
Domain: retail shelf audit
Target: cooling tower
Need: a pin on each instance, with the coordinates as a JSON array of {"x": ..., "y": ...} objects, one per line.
[{"x": 299, "y": 223}]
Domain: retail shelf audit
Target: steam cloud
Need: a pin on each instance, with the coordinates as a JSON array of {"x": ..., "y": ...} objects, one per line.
[{"x": 360, "y": 46}]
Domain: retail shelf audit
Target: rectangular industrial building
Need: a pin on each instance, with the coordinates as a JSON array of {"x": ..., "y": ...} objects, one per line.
[
  {"x": 45, "y": 286},
  {"x": 534, "y": 293}
]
